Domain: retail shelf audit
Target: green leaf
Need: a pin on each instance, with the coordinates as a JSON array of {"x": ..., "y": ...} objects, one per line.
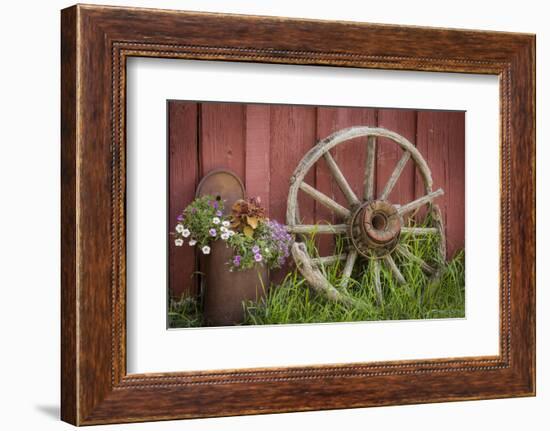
[{"x": 248, "y": 231}]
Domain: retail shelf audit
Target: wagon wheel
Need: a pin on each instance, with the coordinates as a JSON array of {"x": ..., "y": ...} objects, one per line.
[{"x": 371, "y": 224}]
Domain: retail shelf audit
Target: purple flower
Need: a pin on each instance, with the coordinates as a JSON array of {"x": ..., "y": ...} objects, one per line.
[
  {"x": 179, "y": 218},
  {"x": 215, "y": 204},
  {"x": 219, "y": 213},
  {"x": 255, "y": 249},
  {"x": 194, "y": 210},
  {"x": 258, "y": 257},
  {"x": 237, "y": 260},
  {"x": 212, "y": 232}
]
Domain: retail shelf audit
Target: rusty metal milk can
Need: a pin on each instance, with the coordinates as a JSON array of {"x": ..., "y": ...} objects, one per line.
[{"x": 226, "y": 290}]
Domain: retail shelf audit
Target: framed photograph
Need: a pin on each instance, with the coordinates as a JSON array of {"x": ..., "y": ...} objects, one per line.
[
  {"x": 268, "y": 215},
  {"x": 366, "y": 224}
]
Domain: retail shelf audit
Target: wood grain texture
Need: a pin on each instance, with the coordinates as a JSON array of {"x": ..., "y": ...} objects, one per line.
[
  {"x": 404, "y": 122},
  {"x": 223, "y": 137},
  {"x": 183, "y": 167},
  {"x": 441, "y": 140},
  {"x": 258, "y": 144},
  {"x": 69, "y": 352},
  {"x": 292, "y": 135},
  {"x": 97, "y": 41}
]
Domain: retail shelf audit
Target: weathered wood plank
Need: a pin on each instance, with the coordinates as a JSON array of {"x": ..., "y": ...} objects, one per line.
[
  {"x": 257, "y": 161},
  {"x": 222, "y": 136},
  {"x": 292, "y": 135},
  {"x": 440, "y": 139},
  {"x": 292, "y": 132},
  {"x": 183, "y": 179},
  {"x": 402, "y": 121},
  {"x": 456, "y": 210}
]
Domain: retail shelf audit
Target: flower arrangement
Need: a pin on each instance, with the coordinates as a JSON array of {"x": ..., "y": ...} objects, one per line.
[
  {"x": 201, "y": 223},
  {"x": 253, "y": 237},
  {"x": 270, "y": 245}
]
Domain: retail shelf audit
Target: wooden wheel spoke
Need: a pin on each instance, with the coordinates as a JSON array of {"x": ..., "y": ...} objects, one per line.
[
  {"x": 419, "y": 230},
  {"x": 394, "y": 269},
  {"x": 328, "y": 260},
  {"x": 314, "y": 277},
  {"x": 348, "y": 268},
  {"x": 377, "y": 284},
  {"x": 395, "y": 175},
  {"x": 408, "y": 255},
  {"x": 318, "y": 228},
  {"x": 411, "y": 206},
  {"x": 325, "y": 200},
  {"x": 341, "y": 180},
  {"x": 368, "y": 184}
]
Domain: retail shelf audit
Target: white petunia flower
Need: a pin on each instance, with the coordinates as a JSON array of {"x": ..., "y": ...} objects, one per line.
[
  {"x": 178, "y": 242},
  {"x": 179, "y": 228},
  {"x": 206, "y": 250},
  {"x": 231, "y": 232},
  {"x": 225, "y": 236},
  {"x": 192, "y": 242},
  {"x": 223, "y": 229},
  {"x": 216, "y": 220},
  {"x": 225, "y": 223},
  {"x": 186, "y": 233}
]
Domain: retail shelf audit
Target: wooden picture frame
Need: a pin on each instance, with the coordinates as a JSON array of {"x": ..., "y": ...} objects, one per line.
[{"x": 95, "y": 42}]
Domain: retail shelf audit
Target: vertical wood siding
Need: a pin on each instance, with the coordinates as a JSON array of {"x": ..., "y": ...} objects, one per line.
[
  {"x": 183, "y": 167},
  {"x": 440, "y": 139},
  {"x": 264, "y": 143}
]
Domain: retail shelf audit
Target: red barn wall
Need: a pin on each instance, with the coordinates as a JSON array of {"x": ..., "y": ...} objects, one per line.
[{"x": 264, "y": 143}]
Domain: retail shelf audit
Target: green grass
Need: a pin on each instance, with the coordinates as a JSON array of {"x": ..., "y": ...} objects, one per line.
[
  {"x": 184, "y": 313},
  {"x": 292, "y": 302}
]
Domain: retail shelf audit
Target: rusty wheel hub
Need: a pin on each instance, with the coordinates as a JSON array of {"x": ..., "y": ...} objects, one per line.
[{"x": 375, "y": 228}]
